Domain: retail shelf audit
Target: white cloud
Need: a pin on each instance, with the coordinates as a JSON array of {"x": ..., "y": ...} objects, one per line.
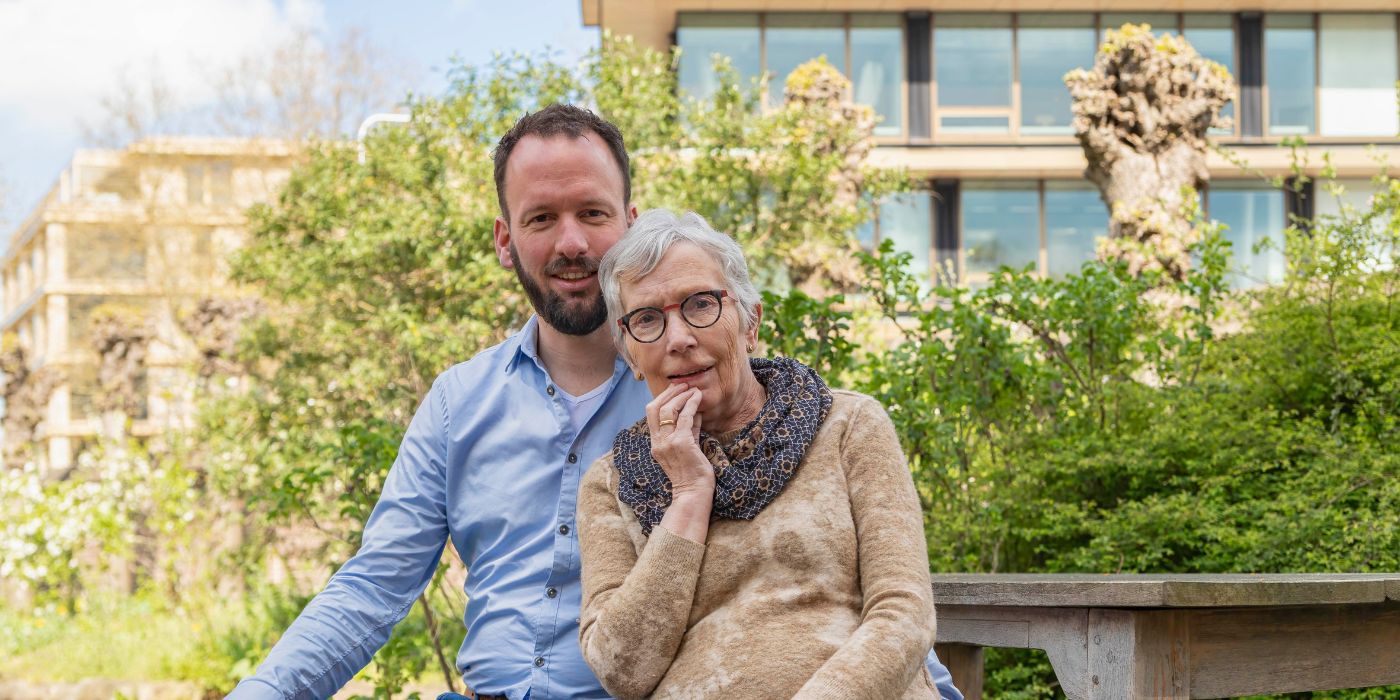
[{"x": 60, "y": 57}]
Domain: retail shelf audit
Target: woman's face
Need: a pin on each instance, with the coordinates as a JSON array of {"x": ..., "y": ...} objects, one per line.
[{"x": 712, "y": 359}]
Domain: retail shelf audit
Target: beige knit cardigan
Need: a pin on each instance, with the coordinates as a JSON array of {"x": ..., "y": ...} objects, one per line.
[{"x": 824, "y": 595}]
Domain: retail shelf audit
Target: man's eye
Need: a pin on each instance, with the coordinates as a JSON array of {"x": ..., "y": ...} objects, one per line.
[
  {"x": 594, "y": 213},
  {"x": 539, "y": 218}
]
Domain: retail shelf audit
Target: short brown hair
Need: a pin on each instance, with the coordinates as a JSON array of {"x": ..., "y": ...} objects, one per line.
[{"x": 554, "y": 120}]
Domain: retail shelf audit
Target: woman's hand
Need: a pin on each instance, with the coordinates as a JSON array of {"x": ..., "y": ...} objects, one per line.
[
  {"x": 675, "y": 441},
  {"x": 675, "y": 444}
]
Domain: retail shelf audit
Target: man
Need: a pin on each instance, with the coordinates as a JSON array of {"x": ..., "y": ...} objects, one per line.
[{"x": 493, "y": 457}]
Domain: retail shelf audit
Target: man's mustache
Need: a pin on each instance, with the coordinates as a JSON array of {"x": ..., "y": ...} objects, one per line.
[{"x": 585, "y": 264}]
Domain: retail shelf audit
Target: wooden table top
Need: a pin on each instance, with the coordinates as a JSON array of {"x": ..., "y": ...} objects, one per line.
[{"x": 1163, "y": 590}]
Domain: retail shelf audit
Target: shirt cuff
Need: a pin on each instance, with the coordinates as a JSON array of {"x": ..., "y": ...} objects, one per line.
[{"x": 255, "y": 689}]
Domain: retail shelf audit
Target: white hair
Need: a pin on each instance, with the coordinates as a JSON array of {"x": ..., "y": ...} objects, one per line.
[{"x": 653, "y": 234}]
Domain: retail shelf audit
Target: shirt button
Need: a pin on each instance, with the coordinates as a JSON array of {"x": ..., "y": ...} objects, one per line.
[
  {"x": 551, "y": 592},
  {"x": 563, "y": 529},
  {"x": 549, "y": 390},
  {"x": 539, "y": 660},
  {"x": 572, "y": 458}
]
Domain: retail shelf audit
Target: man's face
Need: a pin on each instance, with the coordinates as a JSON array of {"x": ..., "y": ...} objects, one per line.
[{"x": 566, "y": 210}]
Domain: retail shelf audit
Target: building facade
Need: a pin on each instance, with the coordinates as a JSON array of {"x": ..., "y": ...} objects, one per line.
[
  {"x": 145, "y": 230},
  {"x": 972, "y": 101}
]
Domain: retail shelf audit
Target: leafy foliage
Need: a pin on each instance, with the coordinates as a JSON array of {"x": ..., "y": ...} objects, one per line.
[{"x": 1103, "y": 422}]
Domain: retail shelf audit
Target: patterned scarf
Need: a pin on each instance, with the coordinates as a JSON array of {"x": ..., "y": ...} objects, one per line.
[{"x": 753, "y": 470}]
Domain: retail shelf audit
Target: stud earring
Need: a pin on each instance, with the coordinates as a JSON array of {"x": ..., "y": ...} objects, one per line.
[
  {"x": 749, "y": 348},
  {"x": 640, "y": 377}
]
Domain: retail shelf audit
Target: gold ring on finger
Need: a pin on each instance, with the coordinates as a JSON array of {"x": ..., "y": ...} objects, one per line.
[{"x": 668, "y": 421}]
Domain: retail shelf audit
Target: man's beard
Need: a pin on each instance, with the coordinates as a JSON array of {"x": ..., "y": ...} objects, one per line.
[{"x": 556, "y": 310}]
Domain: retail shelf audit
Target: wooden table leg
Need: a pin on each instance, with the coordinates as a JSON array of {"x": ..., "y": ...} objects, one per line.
[
  {"x": 1139, "y": 654},
  {"x": 964, "y": 662}
]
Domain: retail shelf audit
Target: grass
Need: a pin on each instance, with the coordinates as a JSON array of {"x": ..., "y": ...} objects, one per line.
[{"x": 210, "y": 642}]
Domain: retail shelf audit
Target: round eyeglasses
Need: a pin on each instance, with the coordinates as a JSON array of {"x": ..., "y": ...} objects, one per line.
[{"x": 700, "y": 310}]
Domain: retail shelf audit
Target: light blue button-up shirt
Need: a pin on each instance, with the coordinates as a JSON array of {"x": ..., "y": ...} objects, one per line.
[{"x": 492, "y": 460}]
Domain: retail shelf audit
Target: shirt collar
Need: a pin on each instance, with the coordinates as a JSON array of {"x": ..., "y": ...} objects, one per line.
[{"x": 526, "y": 346}]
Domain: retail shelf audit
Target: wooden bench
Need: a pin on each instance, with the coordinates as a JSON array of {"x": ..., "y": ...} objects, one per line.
[{"x": 1177, "y": 635}]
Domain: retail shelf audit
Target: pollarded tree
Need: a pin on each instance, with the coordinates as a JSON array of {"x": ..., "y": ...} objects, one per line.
[{"x": 1142, "y": 115}]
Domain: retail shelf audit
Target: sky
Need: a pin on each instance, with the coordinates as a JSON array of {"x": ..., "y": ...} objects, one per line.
[{"x": 59, "y": 58}]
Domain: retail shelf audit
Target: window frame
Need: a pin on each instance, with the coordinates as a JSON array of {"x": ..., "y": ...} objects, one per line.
[{"x": 847, "y": 24}]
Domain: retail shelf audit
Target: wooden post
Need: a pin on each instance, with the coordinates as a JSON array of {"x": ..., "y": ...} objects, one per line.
[
  {"x": 1139, "y": 654},
  {"x": 964, "y": 662}
]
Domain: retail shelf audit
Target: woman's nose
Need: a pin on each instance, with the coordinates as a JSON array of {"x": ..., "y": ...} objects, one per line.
[{"x": 680, "y": 336}]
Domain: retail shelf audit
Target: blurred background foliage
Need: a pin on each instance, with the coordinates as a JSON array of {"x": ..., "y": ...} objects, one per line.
[{"x": 1097, "y": 422}]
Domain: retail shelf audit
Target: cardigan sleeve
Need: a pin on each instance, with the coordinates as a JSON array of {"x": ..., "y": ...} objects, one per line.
[
  {"x": 636, "y": 607},
  {"x": 886, "y": 652}
]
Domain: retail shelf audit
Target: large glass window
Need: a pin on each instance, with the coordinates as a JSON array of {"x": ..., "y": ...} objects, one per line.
[
  {"x": 1213, "y": 37},
  {"x": 1290, "y": 70},
  {"x": 972, "y": 64},
  {"x": 907, "y": 219},
  {"x": 108, "y": 183},
  {"x": 1075, "y": 218},
  {"x": 794, "y": 39},
  {"x": 701, "y": 36},
  {"x": 877, "y": 68},
  {"x": 1254, "y": 215},
  {"x": 1352, "y": 201},
  {"x": 1000, "y": 226},
  {"x": 1048, "y": 46},
  {"x": 1356, "y": 75},
  {"x": 867, "y": 48},
  {"x": 106, "y": 254}
]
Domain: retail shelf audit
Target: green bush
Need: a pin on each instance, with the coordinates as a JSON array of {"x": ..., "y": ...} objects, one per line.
[{"x": 1105, "y": 423}]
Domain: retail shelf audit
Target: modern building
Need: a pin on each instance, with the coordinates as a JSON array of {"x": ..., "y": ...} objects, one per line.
[
  {"x": 973, "y": 103},
  {"x": 147, "y": 230}
]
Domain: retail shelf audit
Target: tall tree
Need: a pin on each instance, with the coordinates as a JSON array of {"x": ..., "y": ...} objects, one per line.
[
  {"x": 305, "y": 85},
  {"x": 1142, "y": 116}
]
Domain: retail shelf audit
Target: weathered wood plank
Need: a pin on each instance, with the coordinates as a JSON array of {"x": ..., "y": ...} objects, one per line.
[
  {"x": 1110, "y": 654},
  {"x": 1163, "y": 590},
  {"x": 1062, "y": 633},
  {"x": 1293, "y": 649},
  {"x": 1162, "y": 656},
  {"x": 965, "y": 663}
]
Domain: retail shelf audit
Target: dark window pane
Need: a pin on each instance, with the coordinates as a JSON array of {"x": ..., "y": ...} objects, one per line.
[
  {"x": 1290, "y": 69},
  {"x": 1213, "y": 37},
  {"x": 701, "y": 36},
  {"x": 1000, "y": 226},
  {"x": 221, "y": 184},
  {"x": 907, "y": 220},
  {"x": 877, "y": 68},
  {"x": 972, "y": 60},
  {"x": 1050, "y": 46},
  {"x": 116, "y": 254},
  {"x": 1075, "y": 218},
  {"x": 1254, "y": 214},
  {"x": 794, "y": 39}
]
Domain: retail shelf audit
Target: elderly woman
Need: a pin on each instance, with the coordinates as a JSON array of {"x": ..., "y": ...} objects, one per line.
[{"x": 758, "y": 534}]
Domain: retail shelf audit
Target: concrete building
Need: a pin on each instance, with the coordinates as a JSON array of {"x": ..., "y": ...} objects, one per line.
[
  {"x": 972, "y": 102},
  {"x": 146, "y": 229}
]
